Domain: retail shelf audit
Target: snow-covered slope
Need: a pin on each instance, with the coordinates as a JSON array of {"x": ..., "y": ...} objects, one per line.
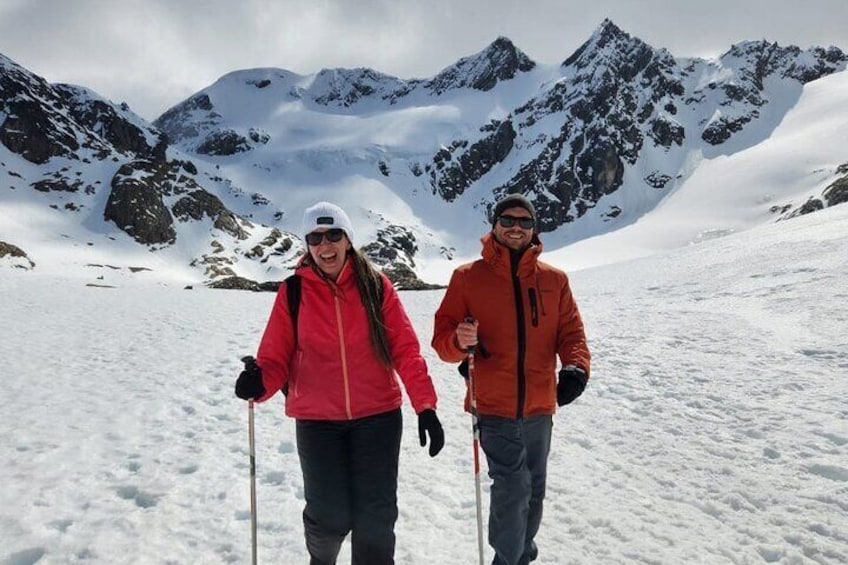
[{"x": 713, "y": 430}]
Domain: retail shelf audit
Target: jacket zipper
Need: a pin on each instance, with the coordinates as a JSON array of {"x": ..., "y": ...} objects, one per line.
[
  {"x": 519, "y": 319},
  {"x": 342, "y": 355}
]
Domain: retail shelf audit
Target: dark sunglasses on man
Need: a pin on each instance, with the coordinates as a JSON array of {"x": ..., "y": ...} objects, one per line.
[
  {"x": 509, "y": 221},
  {"x": 332, "y": 235}
]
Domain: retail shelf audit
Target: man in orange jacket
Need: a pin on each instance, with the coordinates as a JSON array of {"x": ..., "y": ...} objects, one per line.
[{"x": 524, "y": 317}]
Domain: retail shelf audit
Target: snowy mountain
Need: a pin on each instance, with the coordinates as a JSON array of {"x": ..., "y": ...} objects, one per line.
[{"x": 216, "y": 185}]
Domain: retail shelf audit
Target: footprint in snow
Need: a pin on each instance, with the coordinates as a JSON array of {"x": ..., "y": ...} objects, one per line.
[
  {"x": 141, "y": 498},
  {"x": 26, "y": 557}
]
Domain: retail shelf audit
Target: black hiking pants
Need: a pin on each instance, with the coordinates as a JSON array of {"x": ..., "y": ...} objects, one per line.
[{"x": 350, "y": 471}]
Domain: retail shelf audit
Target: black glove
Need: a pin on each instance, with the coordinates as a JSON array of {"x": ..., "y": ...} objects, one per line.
[
  {"x": 428, "y": 424},
  {"x": 463, "y": 368},
  {"x": 572, "y": 381},
  {"x": 249, "y": 383}
]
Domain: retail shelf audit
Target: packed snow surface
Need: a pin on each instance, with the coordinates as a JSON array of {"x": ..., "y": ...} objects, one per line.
[{"x": 714, "y": 428}]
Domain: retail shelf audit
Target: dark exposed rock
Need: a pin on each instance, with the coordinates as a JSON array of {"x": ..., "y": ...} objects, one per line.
[
  {"x": 235, "y": 283},
  {"x": 135, "y": 203},
  {"x": 720, "y": 130},
  {"x": 242, "y": 283},
  {"x": 36, "y": 124},
  {"x": 500, "y": 61},
  {"x": 229, "y": 142},
  {"x": 811, "y": 205},
  {"x": 780, "y": 209},
  {"x": 613, "y": 212},
  {"x": 837, "y": 192},
  {"x": 101, "y": 118},
  {"x": 258, "y": 136},
  {"x": 665, "y": 132},
  {"x": 394, "y": 253},
  {"x": 824, "y": 63},
  {"x": 455, "y": 169},
  {"x": 28, "y": 131},
  {"x": 345, "y": 87},
  {"x": 57, "y": 185},
  {"x": 137, "y": 208},
  {"x": 404, "y": 278},
  {"x": 188, "y": 166},
  {"x": 22, "y": 259},
  {"x": 216, "y": 266},
  {"x": 185, "y": 120},
  {"x": 275, "y": 242},
  {"x": 225, "y": 142},
  {"x": 160, "y": 150},
  {"x": 259, "y": 200},
  {"x": 657, "y": 179},
  {"x": 199, "y": 203},
  {"x": 270, "y": 286},
  {"x": 392, "y": 242}
]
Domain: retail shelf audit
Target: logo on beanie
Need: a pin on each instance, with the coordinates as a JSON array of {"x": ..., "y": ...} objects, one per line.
[{"x": 325, "y": 220}]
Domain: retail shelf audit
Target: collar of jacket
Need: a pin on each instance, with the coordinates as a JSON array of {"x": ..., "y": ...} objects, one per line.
[
  {"x": 307, "y": 270},
  {"x": 497, "y": 255}
]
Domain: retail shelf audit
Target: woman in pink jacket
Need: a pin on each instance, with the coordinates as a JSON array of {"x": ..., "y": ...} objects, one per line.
[{"x": 338, "y": 370}]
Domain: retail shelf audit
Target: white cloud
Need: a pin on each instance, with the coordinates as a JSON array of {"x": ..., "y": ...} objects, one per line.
[{"x": 152, "y": 54}]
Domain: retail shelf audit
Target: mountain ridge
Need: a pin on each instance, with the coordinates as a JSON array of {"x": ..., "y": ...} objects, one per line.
[{"x": 596, "y": 142}]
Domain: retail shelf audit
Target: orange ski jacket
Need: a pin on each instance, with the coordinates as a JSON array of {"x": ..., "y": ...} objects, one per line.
[{"x": 526, "y": 319}]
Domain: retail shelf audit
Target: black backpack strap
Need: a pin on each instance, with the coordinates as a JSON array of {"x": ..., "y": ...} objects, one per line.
[{"x": 293, "y": 298}]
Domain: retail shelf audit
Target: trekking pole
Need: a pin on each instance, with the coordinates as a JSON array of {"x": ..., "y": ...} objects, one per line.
[
  {"x": 248, "y": 361},
  {"x": 475, "y": 429}
]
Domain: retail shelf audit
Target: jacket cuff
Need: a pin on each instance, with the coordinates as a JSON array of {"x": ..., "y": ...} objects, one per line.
[{"x": 424, "y": 407}]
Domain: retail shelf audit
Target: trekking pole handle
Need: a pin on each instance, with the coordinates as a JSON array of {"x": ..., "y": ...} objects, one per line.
[
  {"x": 470, "y": 349},
  {"x": 249, "y": 361}
]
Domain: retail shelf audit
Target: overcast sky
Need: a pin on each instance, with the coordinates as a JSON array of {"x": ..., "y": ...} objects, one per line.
[{"x": 152, "y": 54}]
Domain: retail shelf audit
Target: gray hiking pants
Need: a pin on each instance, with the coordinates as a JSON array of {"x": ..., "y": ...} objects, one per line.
[{"x": 517, "y": 454}]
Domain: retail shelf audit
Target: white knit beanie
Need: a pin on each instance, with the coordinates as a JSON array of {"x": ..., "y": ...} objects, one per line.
[{"x": 326, "y": 215}]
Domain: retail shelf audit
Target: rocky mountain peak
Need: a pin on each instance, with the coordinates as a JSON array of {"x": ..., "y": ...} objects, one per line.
[
  {"x": 501, "y": 60},
  {"x": 608, "y": 43},
  {"x": 763, "y": 58},
  {"x": 346, "y": 87}
]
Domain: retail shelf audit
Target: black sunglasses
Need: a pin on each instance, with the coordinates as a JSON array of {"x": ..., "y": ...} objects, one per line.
[
  {"x": 333, "y": 236},
  {"x": 509, "y": 221}
]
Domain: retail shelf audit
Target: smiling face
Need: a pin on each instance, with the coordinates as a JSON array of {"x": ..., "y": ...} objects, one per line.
[
  {"x": 329, "y": 256},
  {"x": 514, "y": 237}
]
